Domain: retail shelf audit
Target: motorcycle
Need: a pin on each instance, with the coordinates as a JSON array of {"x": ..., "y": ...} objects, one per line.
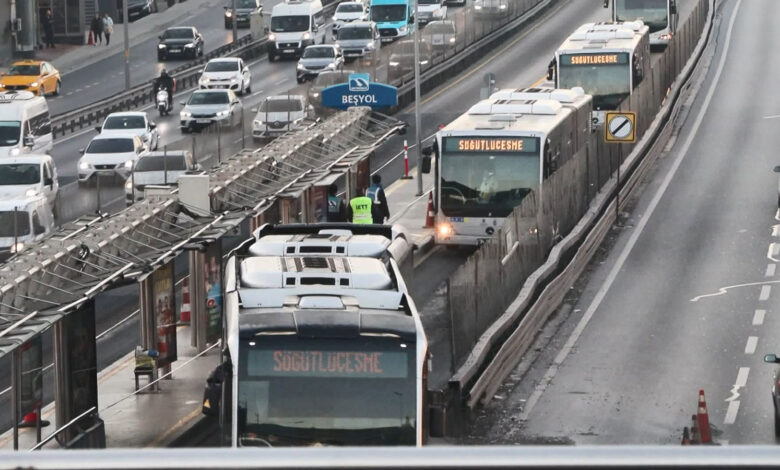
[{"x": 163, "y": 106}]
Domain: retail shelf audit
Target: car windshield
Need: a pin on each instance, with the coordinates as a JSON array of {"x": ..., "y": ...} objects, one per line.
[
  {"x": 243, "y": 4},
  {"x": 14, "y": 228},
  {"x": 161, "y": 163},
  {"x": 9, "y": 132},
  {"x": 19, "y": 69},
  {"x": 357, "y": 391},
  {"x": 221, "y": 66},
  {"x": 209, "y": 98},
  {"x": 349, "y": 8},
  {"x": 281, "y": 106},
  {"x": 354, "y": 33},
  {"x": 118, "y": 145},
  {"x": 429, "y": 2},
  {"x": 19, "y": 173},
  {"x": 125, "y": 122},
  {"x": 289, "y": 24},
  {"x": 319, "y": 53},
  {"x": 179, "y": 33},
  {"x": 388, "y": 13},
  {"x": 327, "y": 79},
  {"x": 440, "y": 28},
  {"x": 482, "y": 177}
]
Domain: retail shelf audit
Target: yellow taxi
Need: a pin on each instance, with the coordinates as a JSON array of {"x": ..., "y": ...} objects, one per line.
[{"x": 36, "y": 76}]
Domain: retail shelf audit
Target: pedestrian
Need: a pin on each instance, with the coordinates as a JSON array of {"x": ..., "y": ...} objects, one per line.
[
  {"x": 379, "y": 208},
  {"x": 48, "y": 28},
  {"x": 108, "y": 27},
  {"x": 336, "y": 209},
  {"x": 97, "y": 28},
  {"x": 359, "y": 210}
]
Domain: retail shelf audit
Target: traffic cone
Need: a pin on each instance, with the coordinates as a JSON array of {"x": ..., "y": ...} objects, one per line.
[
  {"x": 91, "y": 41},
  {"x": 703, "y": 420},
  {"x": 29, "y": 420},
  {"x": 686, "y": 439},
  {"x": 184, "y": 312},
  {"x": 430, "y": 213}
]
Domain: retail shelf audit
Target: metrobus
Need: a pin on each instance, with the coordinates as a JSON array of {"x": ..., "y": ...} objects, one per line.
[
  {"x": 607, "y": 60},
  {"x": 490, "y": 158},
  {"x": 659, "y": 15},
  {"x": 323, "y": 344}
]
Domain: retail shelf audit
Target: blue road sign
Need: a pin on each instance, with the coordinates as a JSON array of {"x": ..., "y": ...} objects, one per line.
[{"x": 360, "y": 91}]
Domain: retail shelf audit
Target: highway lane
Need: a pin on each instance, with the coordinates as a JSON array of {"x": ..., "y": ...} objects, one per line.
[{"x": 630, "y": 373}]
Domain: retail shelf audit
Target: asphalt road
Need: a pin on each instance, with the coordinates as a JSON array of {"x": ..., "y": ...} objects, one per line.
[{"x": 684, "y": 299}]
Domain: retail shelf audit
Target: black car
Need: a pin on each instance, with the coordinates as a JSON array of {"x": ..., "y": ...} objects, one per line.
[
  {"x": 184, "y": 41},
  {"x": 135, "y": 9},
  {"x": 244, "y": 8},
  {"x": 773, "y": 359}
]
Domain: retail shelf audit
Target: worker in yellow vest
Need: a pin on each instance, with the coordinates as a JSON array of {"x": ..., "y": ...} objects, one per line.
[{"x": 359, "y": 211}]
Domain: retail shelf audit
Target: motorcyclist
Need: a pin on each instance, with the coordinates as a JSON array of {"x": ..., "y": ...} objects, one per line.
[{"x": 165, "y": 81}]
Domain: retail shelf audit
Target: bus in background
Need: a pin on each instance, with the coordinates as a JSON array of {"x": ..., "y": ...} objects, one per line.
[
  {"x": 607, "y": 60},
  {"x": 502, "y": 149},
  {"x": 323, "y": 344},
  {"x": 659, "y": 15},
  {"x": 393, "y": 18}
]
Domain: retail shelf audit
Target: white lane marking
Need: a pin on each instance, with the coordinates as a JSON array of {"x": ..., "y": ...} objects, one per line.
[
  {"x": 68, "y": 93},
  {"x": 723, "y": 290},
  {"x": 742, "y": 377},
  {"x": 776, "y": 230},
  {"x": 256, "y": 93},
  {"x": 772, "y": 251},
  {"x": 773, "y": 116},
  {"x": 731, "y": 412},
  {"x": 87, "y": 86},
  {"x": 777, "y": 214},
  {"x": 752, "y": 344},
  {"x": 602, "y": 292},
  {"x": 281, "y": 81},
  {"x": 765, "y": 291},
  {"x": 770, "y": 270},
  {"x": 758, "y": 317}
]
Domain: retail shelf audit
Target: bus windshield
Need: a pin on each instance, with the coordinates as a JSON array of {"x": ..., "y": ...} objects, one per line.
[
  {"x": 605, "y": 76},
  {"x": 480, "y": 178},
  {"x": 388, "y": 13},
  {"x": 654, "y": 13},
  {"x": 298, "y": 392}
]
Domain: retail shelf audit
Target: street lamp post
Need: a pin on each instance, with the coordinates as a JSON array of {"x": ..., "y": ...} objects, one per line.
[
  {"x": 417, "y": 96},
  {"x": 235, "y": 21},
  {"x": 126, "y": 21}
]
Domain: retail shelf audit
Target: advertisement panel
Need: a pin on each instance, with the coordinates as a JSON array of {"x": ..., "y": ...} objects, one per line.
[
  {"x": 82, "y": 358},
  {"x": 162, "y": 299},
  {"x": 212, "y": 266}
]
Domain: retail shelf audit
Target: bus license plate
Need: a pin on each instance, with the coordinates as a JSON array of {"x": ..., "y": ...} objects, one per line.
[{"x": 457, "y": 219}]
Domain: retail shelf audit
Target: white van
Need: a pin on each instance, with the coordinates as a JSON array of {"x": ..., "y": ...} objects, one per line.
[
  {"x": 295, "y": 24},
  {"x": 25, "y": 124},
  {"x": 22, "y": 222}
]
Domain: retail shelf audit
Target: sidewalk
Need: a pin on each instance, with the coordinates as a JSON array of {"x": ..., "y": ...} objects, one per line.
[
  {"x": 69, "y": 57},
  {"x": 152, "y": 419},
  {"x": 409, "y": 210}
]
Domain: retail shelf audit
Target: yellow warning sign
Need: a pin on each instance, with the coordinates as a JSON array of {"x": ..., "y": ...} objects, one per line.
[{"x": 620, "y": 126}]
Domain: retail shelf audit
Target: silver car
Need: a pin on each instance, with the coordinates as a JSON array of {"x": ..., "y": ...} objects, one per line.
[
  {"x": 316, "y": 59},
  {"x": 441, "y": 34},
  {"x": 157, "y": 168},
  {"x": 206, "y": 107},
  {"x": 279, "y": 114},
  {"x": 359, "y": 40}
]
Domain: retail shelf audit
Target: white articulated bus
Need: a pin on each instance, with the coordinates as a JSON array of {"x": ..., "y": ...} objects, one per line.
[
  {"x": 503, "y": 148},
  {"x": 659, "y": 15},
  {"x": 607, "y": 60},
  {"x": 323, "y": 343}
]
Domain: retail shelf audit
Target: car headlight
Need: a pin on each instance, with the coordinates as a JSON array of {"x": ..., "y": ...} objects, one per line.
[
  {"x": 477, "y": 7},
  {"x": 84, "y": 165},
  {"x": 257, "y": 123},
  {"x": 452, "y": 40},
  {"x": 331, "y": 65},
  {"x": 129, "y": 165},
  {"x": 423, "y": 62},
  {"x": 393, "y": 63},
  {"x": 370, "y": 46},
  {"x": 228, "y": 13},
  {"x": 436, "y": 12},
  {"x": 315, "y": 95},
  {"x": 666, "y": 37},
  {"x": 16, "y": 247},
  {"x": 306, "y": 35},
  {"x": 31, "y": 192},
  {"x": 272, "y": 37},
  {"x": 402, "y": 29},
  {"x": 300, "y": 66},
  {"x": 185, "y": 114},
  {"x": 161, "y": 46},
  {"x": 34, "y": 84},
  {"x": 204, "y": 79},
  {"x": 233, "y": 80},
  {"x": 502, "y": 7},
  {"x": 190, "y": 45},
  {"x": 129, "y": 184},
  {"x": 223, "y": 113}
]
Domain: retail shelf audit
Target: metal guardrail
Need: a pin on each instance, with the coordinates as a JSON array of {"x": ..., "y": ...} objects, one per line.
[{"x": 482, "y": 373}]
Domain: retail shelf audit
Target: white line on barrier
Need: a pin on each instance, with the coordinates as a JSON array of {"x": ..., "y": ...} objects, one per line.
[{"x": 602, "y": 292}]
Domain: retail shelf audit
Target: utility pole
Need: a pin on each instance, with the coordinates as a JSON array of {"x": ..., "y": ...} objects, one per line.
[
  {"x": 126, "y": 21},
  {"x": 235, "y": 21},
  {"x": 417, "y": 96}
]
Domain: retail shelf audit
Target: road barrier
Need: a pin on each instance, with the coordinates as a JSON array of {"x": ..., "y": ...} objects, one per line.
[{"x": 503, "y": 295}]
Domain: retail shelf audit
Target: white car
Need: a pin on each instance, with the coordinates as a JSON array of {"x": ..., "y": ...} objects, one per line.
[
  {"x": 229, "y": 73},
  {"x": 347, "y": 12},
  {"x": 206, "y": 107},
  {"x": 29, "y": 176},
  {"x": 131, "y": 123},
  {"x": 158, "y": 168},
  {"x": 23, "y": 220},
  {"x": 110, "y": 156}
]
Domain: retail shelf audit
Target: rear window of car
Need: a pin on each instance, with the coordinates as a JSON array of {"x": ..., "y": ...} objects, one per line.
[
  {"x": 350, "y": 8},
  {"x": 118, "y": 145},
  {"x": 124, "y": 122},
  {"x": 161, "y": 163}
]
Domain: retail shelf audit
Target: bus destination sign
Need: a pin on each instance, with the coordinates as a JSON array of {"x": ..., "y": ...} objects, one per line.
[
  {"x": 594, "y": 59},
  {"x": 317, "y": 363},
  {"x": 491, "y": 144}
]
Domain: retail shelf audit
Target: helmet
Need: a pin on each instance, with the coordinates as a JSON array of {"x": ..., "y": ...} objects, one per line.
[{"x": 163, "y": 73}]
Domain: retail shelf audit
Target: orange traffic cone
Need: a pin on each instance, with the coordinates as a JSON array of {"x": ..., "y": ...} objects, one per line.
[
  {"x": 184, "y": 312},
  {"x": 686, "y": 439},
  {"x": 91, "y": 41},
  {"x": 430, "y": 213},
  {"x": 703, "y": 419}
]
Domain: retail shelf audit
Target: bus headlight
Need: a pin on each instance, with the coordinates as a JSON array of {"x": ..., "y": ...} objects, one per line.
[
  {"x": 445, "y": 230},
  {"x": 666, "y": 37}
]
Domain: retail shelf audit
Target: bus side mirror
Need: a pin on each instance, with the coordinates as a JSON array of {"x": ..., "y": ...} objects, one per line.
[
  {"x": 212, "y": 395},
  {"x": 551, "y": 70},
  {"x": 29, "y": 141},
  {"x": 426, "y": 164},
  {"x": 777, "y": 169}
]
